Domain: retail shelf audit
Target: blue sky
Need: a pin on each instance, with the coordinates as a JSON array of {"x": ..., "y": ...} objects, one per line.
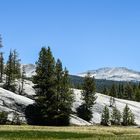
[{"x": 84, "y": 34}]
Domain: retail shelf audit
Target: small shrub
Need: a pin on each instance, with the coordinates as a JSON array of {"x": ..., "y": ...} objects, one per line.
[{"x": 3, "y": 117}]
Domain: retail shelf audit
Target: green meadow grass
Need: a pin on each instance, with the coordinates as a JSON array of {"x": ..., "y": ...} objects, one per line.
[{"x": 68, "y": 133}]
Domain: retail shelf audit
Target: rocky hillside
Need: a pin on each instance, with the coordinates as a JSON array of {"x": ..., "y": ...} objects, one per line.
[
  {"x": 11, "y": 102},
  {"x": 103, "y": 100}
]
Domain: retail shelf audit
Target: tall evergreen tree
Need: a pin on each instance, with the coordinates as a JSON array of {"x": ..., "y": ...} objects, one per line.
[
  {"x": 64, "y": 97},
  {"x": 113, "y": 91},
  {"x": 120, "y": 90},
  {"x": 1, "y": 67},
  {"x": 88, "y": 94},
  {"x": 128, "y": 117},
  {"x": 12, "y": 71},
  {"x": 105, "y": 118},
  {"x": 89, "y": 90},
  {"x": 16, "y": 66},
  {"x": 45, "y": 86},
  {"x": 59, "y": 76},
  {"x": 132, "y": 119},
  {"x": 9, "y": 74},
  {"x": 116, "y": 116},
  {"x": 137, "y": 95},
  {"x": 1, "y": 61},
  {"x": 1, "y": 41},
  {"x": 105, "y": 91},
  {"x": 128, "y": 94},
  {"x": 139, "y": 85}
]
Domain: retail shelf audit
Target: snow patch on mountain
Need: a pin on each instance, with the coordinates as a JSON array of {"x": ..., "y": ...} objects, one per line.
[{"x": 115, "y": 74}]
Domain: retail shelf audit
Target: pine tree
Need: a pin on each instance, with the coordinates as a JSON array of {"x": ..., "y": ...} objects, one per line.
[
  {"x": 1, "y": 67},
  {"x": 1, "y": 41},
  {"x": 120, "y": 90},
  {"x": 89, "y": 90},
  {"x": 116, "y": 116},
  {"x": 66, "y": 99},
  {"x": 105, "y": 91},
  {"x": 88, "y": 94},
  {"x": 12, "y": 71},
  {"x": 45, "y": 85},
  {"x": 105, "y": 118},
  {"x": 128, "y": 94},
  {"x": 137, "y": 95},
  {"x": 132, "y": 119},
  {"x": 113, "y": 91},
  {"x": 9, "y": 85},
  {"x": 59, "y": 76},
  {"x": 128, "y": 116},
  {"x": 139, "y": 85},
  {"x": 1, "y": 61},
  {"x": 16, "y": 66}
]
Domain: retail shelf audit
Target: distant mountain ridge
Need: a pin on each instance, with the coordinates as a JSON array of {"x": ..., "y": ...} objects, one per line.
[
  {"x": 114, "y": 74},
  {"x": 106, "y": 73},
  {"x": 29, "y": 69}
]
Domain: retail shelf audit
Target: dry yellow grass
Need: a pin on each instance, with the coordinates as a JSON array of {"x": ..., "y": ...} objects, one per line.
[{"x": 93, "y": 132}]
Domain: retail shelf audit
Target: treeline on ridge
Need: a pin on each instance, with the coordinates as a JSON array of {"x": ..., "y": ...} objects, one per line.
[{"x": 118, "y": 89}]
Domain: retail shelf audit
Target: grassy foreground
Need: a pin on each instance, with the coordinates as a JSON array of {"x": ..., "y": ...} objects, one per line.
[{"x": 68, "y": 133}]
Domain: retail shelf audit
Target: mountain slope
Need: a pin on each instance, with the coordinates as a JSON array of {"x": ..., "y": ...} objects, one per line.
[
  {"x": 11, "y": 103},
  {"x": 115, "y": 74},
  {"x": 103, "y": 100}
]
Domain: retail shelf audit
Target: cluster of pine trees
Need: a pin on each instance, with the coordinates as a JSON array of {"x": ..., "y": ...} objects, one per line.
[
  {"x": 11, "y": 71},
  {"x": 12, "y": 75},
  {"x": 54, "y": 98},
  {"x": 116, "y": 118},
  {"x": 128, "y": 91}
]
